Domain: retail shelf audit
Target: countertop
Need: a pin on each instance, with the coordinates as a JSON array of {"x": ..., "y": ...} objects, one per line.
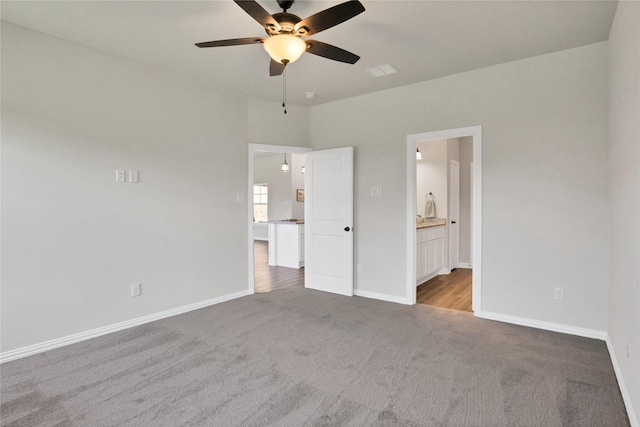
[
  {"x": 287, "y": 221},
  {"x": 432, "y": 222}
]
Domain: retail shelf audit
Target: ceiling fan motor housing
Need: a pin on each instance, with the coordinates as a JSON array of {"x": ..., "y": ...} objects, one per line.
[
  {"x": 285, "y": 4},
  {"x": 288, "y": 22}
]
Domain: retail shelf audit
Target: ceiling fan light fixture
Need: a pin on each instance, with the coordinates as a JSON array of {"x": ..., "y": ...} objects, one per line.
[{"x": 284, "y": 48}]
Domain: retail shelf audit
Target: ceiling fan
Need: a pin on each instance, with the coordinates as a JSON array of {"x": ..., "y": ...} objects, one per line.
[{"x": 285, "y": 31}]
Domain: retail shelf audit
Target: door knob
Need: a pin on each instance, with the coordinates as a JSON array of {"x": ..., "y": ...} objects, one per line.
[
  {"x": 347, "y": 229},
  {"x": 453, "y": 222}
]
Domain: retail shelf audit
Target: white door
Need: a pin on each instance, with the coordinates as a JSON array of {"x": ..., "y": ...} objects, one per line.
[
  {"x": 454, "y": 214},
  {"x": 328, "y": 218}
]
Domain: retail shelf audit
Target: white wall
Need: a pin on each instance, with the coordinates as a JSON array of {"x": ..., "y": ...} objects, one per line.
[
  {"x": 282, "y": 186},
  {"x": 267, "y": 124},
  {"x": 74, "y": 240},
  {"x": 431, "y": 176},
  {"x": 545, "y": 212},
  {"x": 624, "y": 307},
  {"x": 267, "y": 171},
  {"x": 297, "y": 181}
]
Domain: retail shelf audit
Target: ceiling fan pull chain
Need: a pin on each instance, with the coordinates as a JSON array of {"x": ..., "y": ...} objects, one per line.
[{"x": 284, "y": 89}]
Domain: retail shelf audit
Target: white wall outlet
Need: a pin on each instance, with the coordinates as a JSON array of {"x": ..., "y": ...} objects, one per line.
[
  {"x": 121, "y": 175},
  {"x": 558, "y": 294},
  {"x": 134, "y": 176},
  {"x": 239, "y": 197},
  {"x": 136, "y": 289},
  {"x": 376, "y": 191}
]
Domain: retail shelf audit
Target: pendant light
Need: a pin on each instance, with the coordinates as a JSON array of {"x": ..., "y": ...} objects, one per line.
[
  {"x": 418, "y": 154},
  {"x": 284, "y": 167}
]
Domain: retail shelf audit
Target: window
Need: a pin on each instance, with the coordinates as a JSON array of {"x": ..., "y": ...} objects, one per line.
[{"x": 260, "y": 203}]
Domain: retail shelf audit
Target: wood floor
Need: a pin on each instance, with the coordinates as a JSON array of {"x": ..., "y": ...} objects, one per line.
[
  {"x": 268, "y": 278},
  {"x": 447, "y": 291}
]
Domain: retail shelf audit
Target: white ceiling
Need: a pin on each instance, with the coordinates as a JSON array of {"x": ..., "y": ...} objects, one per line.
[{"x": 422, "y": 39}]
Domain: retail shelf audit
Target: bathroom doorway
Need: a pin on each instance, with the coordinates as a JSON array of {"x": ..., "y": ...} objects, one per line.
[{"x": 443, "y": 226}]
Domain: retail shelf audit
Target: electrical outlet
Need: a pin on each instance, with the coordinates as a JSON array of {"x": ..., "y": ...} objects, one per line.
[
  {"x": 121, "y": 175},
  {"x": 136, "y": 289},
  {"x": 134, "y": 176},
  {"x": 558, "y": 294}
]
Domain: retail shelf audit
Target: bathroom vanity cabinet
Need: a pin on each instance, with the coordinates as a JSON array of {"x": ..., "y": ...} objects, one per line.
[{"x": 430, "y": 245}]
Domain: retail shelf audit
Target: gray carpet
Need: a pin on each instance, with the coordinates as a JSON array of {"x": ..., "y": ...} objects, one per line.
[{"x": 300, "y": 357}]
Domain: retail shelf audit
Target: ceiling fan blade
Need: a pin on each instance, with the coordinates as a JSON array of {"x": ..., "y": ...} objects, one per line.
[
  {"x": 275, "y": 68},
  {"x": 231, "y": 42},
  {"x": 258, "y": 13},
  {"x": 329, "y": 18},
  {"x": 331, "y": 52}
]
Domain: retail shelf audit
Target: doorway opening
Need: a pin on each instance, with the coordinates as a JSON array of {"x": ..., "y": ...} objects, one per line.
[
  {"x": 272, "y": 197},
  {"x": 444, "y": 218}
]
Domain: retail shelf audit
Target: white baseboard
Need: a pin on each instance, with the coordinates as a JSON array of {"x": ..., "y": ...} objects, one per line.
[
  {"x": 382, "y": 297},
  {"x": 582, "y": 332},
  {"x": 539, "y": 324},
  {"x": 83, "y": 336},
  {"x": 633, "y": 419},
  {"x": 464, "y": 265}
]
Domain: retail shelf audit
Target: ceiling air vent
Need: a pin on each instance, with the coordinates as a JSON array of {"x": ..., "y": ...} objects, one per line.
[{"x": 382, "y": 70}]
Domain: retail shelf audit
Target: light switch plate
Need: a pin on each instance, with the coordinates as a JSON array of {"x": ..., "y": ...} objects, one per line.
[
  {"x": 134, "y": 176},
  {"x": 136, "y": 289}
]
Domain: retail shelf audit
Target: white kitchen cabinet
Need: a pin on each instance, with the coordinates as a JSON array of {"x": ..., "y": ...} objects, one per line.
[
  {"x": 429, "y": 252},
  {"x": 286, "y": 244}
]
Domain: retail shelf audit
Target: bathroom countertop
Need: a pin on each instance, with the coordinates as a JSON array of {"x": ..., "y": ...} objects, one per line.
[{"x": 432, "y": 222}]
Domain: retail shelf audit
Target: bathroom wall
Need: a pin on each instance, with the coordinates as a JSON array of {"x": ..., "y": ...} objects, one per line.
[{"x": 431, "y": 176}]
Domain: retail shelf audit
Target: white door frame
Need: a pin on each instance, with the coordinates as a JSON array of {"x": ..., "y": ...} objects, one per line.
[
  {"x": 450, "y": 215},
  {"x": 252, "y": 149},
  {"x": 412, "y": 140}
]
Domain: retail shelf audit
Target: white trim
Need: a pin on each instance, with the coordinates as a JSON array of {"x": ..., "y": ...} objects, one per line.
[
  {"x": 381, "y": 297},
  {"x": 628, "y": 403},
  {"x": 268, "y": 149},
  {"x": 540, "y": 324},
  {"x": 476, "y": 133},
  {"x": 464, "y": 265},
  {"x": 94, "y": 333},
  {"x": 444, "y": 271},
  {"x": 582, "y": 332},
  {"x": 449, "y": 216}
]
